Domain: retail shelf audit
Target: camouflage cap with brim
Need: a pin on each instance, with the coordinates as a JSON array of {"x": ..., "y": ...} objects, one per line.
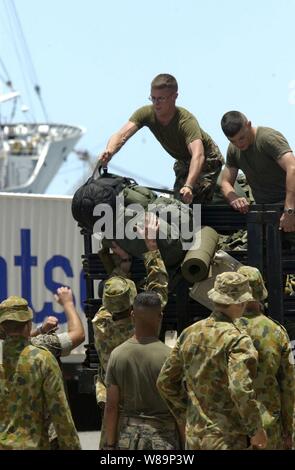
[
  {"x": 231, "y": 288},
  {"x": 119, "y": 294},
  {"x": 256, "y": 282},
  {"x": 16, "y": 309}
]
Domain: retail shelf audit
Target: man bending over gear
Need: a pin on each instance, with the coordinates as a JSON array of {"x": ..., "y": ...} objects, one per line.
[{"x": 198, "y": 159}]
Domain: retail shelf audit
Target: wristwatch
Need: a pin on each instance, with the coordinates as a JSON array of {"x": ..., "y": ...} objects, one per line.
[
  {"x": 289, "y": 211},
  {"x": 188, "y": 186}
]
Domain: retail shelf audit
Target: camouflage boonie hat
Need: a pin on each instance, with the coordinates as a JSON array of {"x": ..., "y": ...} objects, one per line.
[
  {"x": 15, "y": 308},
  {"x": 118, "y": 294},
  {"x": 256, "y": 282},
  {"x": 230, "y": 288}
]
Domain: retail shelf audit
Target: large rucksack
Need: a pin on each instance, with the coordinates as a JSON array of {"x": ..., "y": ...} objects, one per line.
[{"x": 100, "y": 188}]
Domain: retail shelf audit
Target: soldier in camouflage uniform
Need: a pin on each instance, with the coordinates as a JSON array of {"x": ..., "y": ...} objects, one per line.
[
  {"x": 198, "y": 159},
  {"x": 112, "y": 326},
  {"x": 31, "y": 387},
  {"x": 133, "y": 368},
  {"x": 207, "y": 380},
  {"x": 275, "y": 382},
  {"x": 60, "y": 344}
]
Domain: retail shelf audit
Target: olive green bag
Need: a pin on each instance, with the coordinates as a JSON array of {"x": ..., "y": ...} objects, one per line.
[
  {"x": 138, "y": 195},
  {"x": 171, "y": 248}
]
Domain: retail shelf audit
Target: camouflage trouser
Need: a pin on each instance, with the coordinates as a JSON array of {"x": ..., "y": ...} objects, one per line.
[
  {"x": 53, "y": 437},
  {"x": 274, "y": 433},
  {"x": 144, "y": 436},
  {"x": 205, "y": 186},
  {"x": 217, "y": 442},
  {"x": 274, "y": 439}
]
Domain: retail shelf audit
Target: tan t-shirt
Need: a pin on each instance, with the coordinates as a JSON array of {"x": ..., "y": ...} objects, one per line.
[
  {"x": 134, "y": 367},
  {"x": 260, "y": 165}
]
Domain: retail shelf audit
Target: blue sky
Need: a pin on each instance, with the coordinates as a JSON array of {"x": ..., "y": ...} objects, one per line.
[{"x": 95, "y": 61}]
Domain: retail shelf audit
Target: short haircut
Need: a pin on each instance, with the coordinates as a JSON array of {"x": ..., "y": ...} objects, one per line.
[
  {"x": 232, "y": 122},
  {"x": 164, "y": 80},
  {"x": 147, "y": 299}
]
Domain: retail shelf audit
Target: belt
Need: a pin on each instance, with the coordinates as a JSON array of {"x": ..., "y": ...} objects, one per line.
[{"x": 171, "y": 425}]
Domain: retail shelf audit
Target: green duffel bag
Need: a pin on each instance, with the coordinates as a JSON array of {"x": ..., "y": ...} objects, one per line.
[
  {"x": 138, "y": 195},
  {"x": 171, "y": 249},
  {"x": 174, "y": 208}
]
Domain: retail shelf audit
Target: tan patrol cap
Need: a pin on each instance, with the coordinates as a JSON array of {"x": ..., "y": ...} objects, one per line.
[
  {"x": 231, "y": 288},
  {"x": 118, "y": 294},
  {"x": 15, "y": 308}
]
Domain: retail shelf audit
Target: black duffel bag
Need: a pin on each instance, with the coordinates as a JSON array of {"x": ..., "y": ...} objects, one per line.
[{"x": 101, "y": 188}]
